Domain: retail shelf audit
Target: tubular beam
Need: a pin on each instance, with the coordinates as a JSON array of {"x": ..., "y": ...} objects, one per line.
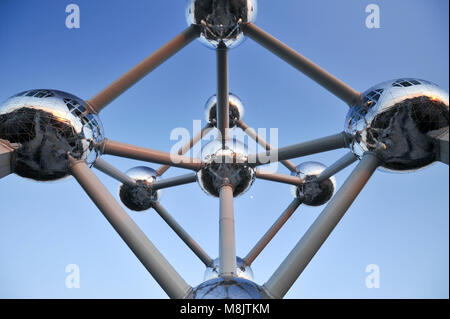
[
  {"x": 227, "y": 245},
  {"x": 175, "y": 181},
  {"x": 110, "y": 170},
  {"x": 338, "y": 166}
]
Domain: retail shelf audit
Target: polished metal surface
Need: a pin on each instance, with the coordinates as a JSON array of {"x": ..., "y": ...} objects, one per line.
[
  {"x": 221, "y": 288},
  {"x": 140, "y": 196},
  {"x": 49, "y": 125},
  {"x": 225, "y": 163},
  {"x": 312, "y": 192},
  {"x": 405, "y": 119},
  {"x": 236, "y": 110},
  {"x": 242, "y": 270},
  {"x": 221, "y": 20}
]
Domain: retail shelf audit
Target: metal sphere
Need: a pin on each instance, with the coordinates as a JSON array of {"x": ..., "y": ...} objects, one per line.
[
  {"x": 48, "y": 125},
  {"x": 403, "y": 120},
  {"x": 311, "y": 192},
  {"x": 221, "y": 20},
  {"x": 235, "y": 288},
  {"x": 139, "y": 197},
  {"x": 242, "y": 270},
  {"x": 225, "y": 164},
  {"x": 236, "y": 110}
]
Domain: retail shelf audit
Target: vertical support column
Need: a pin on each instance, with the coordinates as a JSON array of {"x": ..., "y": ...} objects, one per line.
[
  {"x": 227, "y": 246},
  {"x": 223, "y": 104}
]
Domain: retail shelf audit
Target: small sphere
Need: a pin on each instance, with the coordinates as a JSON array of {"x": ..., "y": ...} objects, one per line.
[
  {"x": 139, "y": 197},
  {"x": 48, "y": 125},
  {"x": 236, "y": 110},
  {"x": 221, "y": 20},
  {"x": 242, "y": 270},
  {"x": 403, "y": 121},
  {"x": 225, "y": 164},
  {"x": 311, "y": 192},
  {"x": 221, "y": 288}
]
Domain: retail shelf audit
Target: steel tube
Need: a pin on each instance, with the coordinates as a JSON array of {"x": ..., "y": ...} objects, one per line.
[
  {"x": 252, "y": 134},
  {"x": 227, "y": 245},
  {"x": 184, "y": 236},
  {"x": 148, "y": 155},
  {"x": 320, "y": 145},
  {"x": 294, "y": 264},
  {"x": 307, "y": 67},
  {"x": 338, "y": 166},
  {"x": 175, "y": 181},
  {"x": 223, "y": 104},
  {"x": 110, "y": 170},
  {"x": 115, "y": 89},
  {"x": 280, "y": 178},
  {"x": 270, "y": 234},
  {"x": 166, "y": 276}
]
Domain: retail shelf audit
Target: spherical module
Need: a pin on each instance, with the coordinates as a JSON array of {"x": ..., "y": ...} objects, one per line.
[
  {"x": 48, "y": 125},
  {"x": 225, "y": 163},
  {"x": 224, "y": 288},
  {"x": 403, "y": 121},
  {"x": 139, "y": 197},
  {"x": 236, "y": 110},
  {"x": 221, "y": 20},
  {"x": 312, "y": 192},
  {"x": 242, "y": 270}
]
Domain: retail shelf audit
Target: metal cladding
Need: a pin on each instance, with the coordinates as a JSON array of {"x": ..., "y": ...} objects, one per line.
[
  {"x": 49, "y": 125},
  {"x": 140, "y": 196},
  {"x": 404, "y": 120},
  {"x": 236, "y": 110},
  {"x": 221, "y": 20},
  {"x": 228, "y": 288},
  {"x": 242, "y": 270},
  {"x": 312, "y": 192}
]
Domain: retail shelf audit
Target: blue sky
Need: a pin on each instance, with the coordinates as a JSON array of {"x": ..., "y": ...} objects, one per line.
[{"x": 399, "y": 222}]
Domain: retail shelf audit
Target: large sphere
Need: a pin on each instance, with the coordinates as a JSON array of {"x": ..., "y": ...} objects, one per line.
[
  {"x": 403, "y": 120},
  {"x": 236, "y": 110},
  {"x": 49, "y": 125},
  {"x": 225, "y": 164},
  {"x": 221, "y": 288},
  {"x": 221, "y": 20},
  {"x": 141, "y": 196},
  {"x": 311, "y": 192},
  {"x": 242, "y": 270}
]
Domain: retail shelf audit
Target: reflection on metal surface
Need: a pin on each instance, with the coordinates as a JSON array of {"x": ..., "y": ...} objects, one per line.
[
  {"x": 235, "y": 288},
  {"x": 242, "y": 271},
  {"x": 311, "y": 192},
  {"x": 139, "y": 197},
  {"x": 404, "y": 119},
  {"x": 221, "y": 20},
  {"x": 48, "y": 125},
  {"x": 236, "y": 110},
  {"x": 225, "y": 164}
]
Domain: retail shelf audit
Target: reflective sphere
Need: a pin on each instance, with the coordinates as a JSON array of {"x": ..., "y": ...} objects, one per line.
[
  {"x": 225, "y": 163},
  {"x": 404, "y": 119},
  {"x": 242, "y": 271},
  {"x": 221, "y": 288},
  {"x": 312, "y": 192},
  {"x": 140, "y": 196},
  {"x": 236, "y": 110},
  {"x": 221, "y": 20},
  {"x": 48, "y": 125}
]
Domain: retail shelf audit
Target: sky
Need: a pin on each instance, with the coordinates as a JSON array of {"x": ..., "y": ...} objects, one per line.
[{"x": 399, "y": 222}]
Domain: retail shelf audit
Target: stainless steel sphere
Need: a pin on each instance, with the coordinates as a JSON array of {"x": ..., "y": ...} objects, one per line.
[
  {"x": 242, "y": 270},
  {"x": 221, "y": 288},
  {"x": 221, "y": 20},
  {"x": 225, "y": 164},
  {"x": 49, "y": 125},
  {"x": 236, "y": 110},
  {"x": 404, "y": 119},
  {"x": 311, "y": 192},
  {"x": 139, "y": 197}
]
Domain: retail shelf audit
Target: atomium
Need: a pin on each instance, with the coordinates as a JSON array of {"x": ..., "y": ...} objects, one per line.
[
  {"x": 236, "y": 110},
  {"x": 140, "y": 196},
  {"x": 221, "y": 20},
  {"x": 403, "y": 120},
  {"x": 312, "y": 192},
  {"x": 49, "y": 125}
]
